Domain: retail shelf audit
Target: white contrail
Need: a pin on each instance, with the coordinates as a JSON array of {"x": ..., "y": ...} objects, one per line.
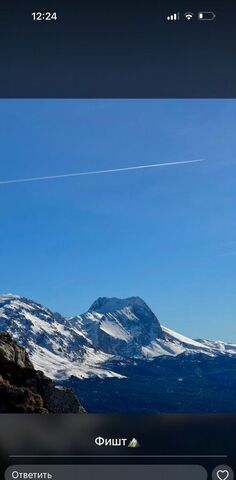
[{"x": 97, "y": 172}]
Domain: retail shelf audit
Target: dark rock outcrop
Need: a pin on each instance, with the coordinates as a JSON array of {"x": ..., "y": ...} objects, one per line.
[{"x": 25, "y": 390}]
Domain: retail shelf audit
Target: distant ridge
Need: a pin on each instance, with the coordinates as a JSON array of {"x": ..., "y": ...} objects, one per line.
[{"x": 87, "y": 345}]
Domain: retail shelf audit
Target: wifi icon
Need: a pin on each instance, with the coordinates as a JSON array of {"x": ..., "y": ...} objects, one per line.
[{"x": 188, "y": 15}]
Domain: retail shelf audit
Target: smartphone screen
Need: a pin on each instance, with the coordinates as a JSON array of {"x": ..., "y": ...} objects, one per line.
[{"x": 117, "y": 240}]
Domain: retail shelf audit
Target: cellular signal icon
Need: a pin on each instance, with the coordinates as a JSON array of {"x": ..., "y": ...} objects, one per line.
[{"x": 173, "y": 16}]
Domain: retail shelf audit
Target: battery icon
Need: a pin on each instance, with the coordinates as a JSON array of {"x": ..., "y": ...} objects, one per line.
[{"x": 206, "y": 16}]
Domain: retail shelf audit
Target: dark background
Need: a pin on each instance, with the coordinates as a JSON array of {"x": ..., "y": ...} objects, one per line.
[
  {"x": 101, "y": 48},
  {"x": 207, "y": 440},
  {"x": 118, "y": 49}
]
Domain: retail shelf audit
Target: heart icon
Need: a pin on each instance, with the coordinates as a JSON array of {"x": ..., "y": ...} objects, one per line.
[{"x": 222, "y": 474}]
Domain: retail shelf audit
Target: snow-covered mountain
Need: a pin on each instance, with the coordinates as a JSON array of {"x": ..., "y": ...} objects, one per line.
[
  {"x": 54, "y": 344},
  {"x": 89, "y": 345}
]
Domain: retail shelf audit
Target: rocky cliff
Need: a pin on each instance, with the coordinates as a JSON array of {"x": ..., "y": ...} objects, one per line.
[{"x": 25, "y": 390}]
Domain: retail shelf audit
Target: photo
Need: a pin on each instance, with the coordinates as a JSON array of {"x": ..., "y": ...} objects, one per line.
[{"x": 117, "y": 256}]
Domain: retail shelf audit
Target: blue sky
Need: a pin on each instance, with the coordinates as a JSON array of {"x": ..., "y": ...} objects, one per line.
[{"x": 167, "y": 235}]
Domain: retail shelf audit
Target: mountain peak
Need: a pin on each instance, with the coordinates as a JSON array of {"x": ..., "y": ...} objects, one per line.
[
  {"x": 112, "y": 304},
  {"x": 121, "y": 326},
  {"x": 9, "y": 296}
]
